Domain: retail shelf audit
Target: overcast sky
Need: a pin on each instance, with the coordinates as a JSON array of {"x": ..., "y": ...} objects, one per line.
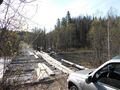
[{"x": 48, "y": 11}]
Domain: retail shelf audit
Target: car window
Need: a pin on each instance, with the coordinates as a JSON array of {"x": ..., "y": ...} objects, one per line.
[{"x": 109, "y": 77}]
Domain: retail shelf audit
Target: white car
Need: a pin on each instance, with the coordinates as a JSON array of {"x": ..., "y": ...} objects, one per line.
[{"x": 105, "y": 77}]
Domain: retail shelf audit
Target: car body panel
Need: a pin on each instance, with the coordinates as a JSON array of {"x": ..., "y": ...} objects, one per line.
[{"x": 79, "y": 78}]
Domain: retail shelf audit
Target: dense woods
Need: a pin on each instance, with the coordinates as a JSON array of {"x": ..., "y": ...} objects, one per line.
[
  {"x": 101, "y": 35},
  {"x": 70, "y": 32}
]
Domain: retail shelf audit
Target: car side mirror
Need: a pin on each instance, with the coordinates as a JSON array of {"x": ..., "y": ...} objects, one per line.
[{"x": 88, "y": 79}]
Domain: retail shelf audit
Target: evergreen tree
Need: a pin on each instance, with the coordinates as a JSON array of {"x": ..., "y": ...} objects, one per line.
[{"x": 68, "y": 17}]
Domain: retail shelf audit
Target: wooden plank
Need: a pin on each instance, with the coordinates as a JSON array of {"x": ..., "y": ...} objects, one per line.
[
  {"x": 55, "y": 63},
  {"x": 41, "y": 72},
  {"x": 36, "y": 56},
  {"x": 46, "y": 68},
  {"x": 30, "y": 53},
  {"x": 73, "y": 64}
]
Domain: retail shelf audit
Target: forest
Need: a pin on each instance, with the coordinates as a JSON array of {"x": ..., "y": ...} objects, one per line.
[{"x": 98, "y": 34}]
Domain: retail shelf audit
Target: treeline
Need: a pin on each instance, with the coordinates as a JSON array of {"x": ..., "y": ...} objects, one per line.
[
  {"x": 104, "y": 36},
  {"x": 70, "y": 32},
  {"x": 98, "y": 34},
  {"x": 101, "y": 35}
]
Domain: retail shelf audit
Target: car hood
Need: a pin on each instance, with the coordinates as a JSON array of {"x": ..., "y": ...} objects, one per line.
[
  {"x": 85, "y": 72},
  {"x": 82, "y": 73}
]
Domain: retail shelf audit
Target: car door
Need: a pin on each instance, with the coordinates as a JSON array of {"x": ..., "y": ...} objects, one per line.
[
  {"x": 97, "y": 86},
  {"x": 107, "y": 78}
]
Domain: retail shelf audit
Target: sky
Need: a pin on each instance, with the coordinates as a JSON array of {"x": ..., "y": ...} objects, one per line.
[{"x": 46, "y": 12}]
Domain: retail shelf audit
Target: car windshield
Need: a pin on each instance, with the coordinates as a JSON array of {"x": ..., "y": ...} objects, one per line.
[{"x": 116, "y": 57}]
